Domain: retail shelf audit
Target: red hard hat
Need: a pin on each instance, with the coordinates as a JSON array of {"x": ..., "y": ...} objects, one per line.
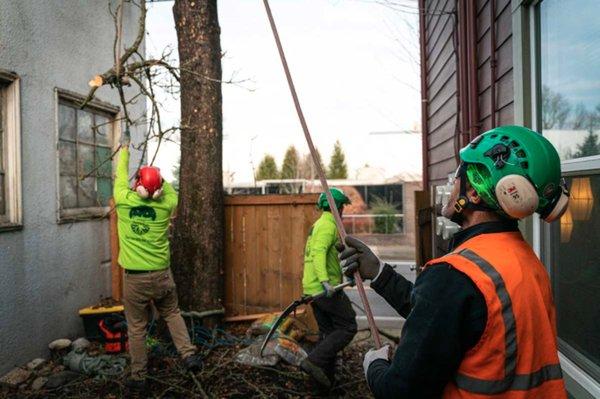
[{"x": 149, "y": 177}]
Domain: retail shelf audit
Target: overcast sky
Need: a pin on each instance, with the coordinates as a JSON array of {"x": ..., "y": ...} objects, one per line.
[{"x": 355, "y": 67}]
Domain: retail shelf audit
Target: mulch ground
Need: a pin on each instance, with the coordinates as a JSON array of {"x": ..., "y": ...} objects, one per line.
[{"x": 220, "y": 376}]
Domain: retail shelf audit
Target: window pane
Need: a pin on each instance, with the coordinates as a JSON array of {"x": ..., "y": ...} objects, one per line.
[
  {"x": 86, "y": 193},
  {"x": 576, "y": 270},
  {"x": 85, "y": 158},
  {"x": 84, "y": 127},
  {"x": 570, "y": 54},
  {"x": 68, "y": 158},
  {"x": 66, "y": 122},
  {"x": 103, "y": 161},
  {"x": 68, "y": 192},
  {"x": 103, "y": 131},
  {"x": 104, "y": 190}
]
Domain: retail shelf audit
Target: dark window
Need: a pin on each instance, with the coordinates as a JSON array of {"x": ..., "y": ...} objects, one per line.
[{"x": 576, "y": 274}]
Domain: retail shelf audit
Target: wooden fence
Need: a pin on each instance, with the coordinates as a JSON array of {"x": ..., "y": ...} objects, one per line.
[{"x": 264, "y": 250}]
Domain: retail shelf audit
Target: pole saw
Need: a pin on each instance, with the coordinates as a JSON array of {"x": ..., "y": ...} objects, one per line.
[
  {"x": 305, "y": 300},
  {"x": 321, "y": 174}
]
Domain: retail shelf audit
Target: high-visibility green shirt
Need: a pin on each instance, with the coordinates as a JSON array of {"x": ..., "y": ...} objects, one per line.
[
  {"x": 320, "y": 256},
  {"x": 143, "y": 223}
]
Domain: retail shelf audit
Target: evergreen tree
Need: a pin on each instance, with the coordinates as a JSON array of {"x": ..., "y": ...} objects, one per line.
[
  {"x": 267, "y": 169},
  {"x": 337, "y": 164},
  {"x": 590, "y": 146},
  {"x": 289, "y": 168}
]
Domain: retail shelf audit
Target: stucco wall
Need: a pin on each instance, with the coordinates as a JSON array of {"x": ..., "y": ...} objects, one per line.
[{"x": 49, "y": 270}]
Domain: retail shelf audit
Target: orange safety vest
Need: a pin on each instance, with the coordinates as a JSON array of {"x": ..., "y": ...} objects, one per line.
[{"x": 517, "y": 355}]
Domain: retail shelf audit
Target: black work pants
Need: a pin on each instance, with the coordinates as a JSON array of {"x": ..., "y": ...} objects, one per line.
[{"x": 337, "y": 328}]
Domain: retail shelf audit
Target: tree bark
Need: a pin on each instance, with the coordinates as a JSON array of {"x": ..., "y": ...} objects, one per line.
[{"x": 198, "y": 238}]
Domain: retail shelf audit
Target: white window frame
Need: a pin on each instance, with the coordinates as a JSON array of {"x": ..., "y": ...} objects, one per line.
[
  {"x": 527, "y": 78},
  {"x": 90, "y": 213},
  {"x": 11, "y": 145}
]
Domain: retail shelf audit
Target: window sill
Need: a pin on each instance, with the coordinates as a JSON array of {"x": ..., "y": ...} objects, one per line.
[
  {"x": 82, "y": 214},
  {"x": 10, "y": 227}
]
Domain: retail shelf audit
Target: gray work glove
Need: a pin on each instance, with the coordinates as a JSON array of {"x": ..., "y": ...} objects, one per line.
[
  {"x": 374, "y": 354},
  {"x": 125, "y": 138},
  {"x": 329, "y": 291},
  {"x": 356, "y": 255}
]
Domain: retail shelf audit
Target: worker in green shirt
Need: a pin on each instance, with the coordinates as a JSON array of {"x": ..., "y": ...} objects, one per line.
[
  {"x": 333, "y": 312},
  {"x": 144, "y": 214}
]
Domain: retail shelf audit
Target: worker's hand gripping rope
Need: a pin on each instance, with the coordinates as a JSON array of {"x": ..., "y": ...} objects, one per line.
[
  {"x": 321, "y": 174},
  {"x": 356, "y": 256}
]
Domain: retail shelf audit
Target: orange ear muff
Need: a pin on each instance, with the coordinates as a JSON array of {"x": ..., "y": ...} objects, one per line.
[{"x": 142, "y": 192}]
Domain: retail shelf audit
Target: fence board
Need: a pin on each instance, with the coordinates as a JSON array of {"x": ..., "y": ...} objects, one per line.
[{"x": 264, "y": 250}]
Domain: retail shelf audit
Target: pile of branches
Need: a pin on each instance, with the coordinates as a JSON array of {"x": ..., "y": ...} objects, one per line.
[{"x": 220, "y": 376}]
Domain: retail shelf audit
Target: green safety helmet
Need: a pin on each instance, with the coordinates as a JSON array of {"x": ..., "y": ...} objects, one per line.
[
  {"x": 338, "y": 196},
  {"x": 516, "y": 172}
]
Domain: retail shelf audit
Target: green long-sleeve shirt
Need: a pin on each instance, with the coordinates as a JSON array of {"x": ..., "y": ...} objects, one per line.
[
  {"x": 320, "y": 256},
  {"x": 143, "y": 223}
]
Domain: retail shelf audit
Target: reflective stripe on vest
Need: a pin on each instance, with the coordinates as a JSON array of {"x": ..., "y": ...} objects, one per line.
[{"x": 511, "y": 380}]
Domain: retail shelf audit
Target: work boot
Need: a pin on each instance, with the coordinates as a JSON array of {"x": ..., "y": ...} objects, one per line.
[
  {"x": 316, "y": 372},
  {"x": 193, "y": 363}
]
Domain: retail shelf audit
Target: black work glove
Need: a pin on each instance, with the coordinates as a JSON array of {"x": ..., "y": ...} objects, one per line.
[{"x": 356, "y": 255}]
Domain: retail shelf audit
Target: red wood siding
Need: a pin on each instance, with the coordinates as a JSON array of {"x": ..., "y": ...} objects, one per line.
[
  {"x": 441, "y": 89},
  {"x": 443, "y": 135}
]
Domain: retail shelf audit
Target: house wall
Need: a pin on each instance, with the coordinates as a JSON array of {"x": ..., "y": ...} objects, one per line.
[
  {"x": 442, "y": 78},
  {"x": 49, "y": 270}
]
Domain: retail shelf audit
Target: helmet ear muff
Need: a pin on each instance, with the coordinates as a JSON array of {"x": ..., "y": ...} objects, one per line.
[
  {"x": 559, "y": 208},
  {"x": 157, "y": 194},
  {"x": 142, "y": 192},
  {"x": 516, "y": 196}
]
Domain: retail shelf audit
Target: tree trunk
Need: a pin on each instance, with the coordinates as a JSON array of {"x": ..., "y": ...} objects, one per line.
[{"x": 198, "y": 239}]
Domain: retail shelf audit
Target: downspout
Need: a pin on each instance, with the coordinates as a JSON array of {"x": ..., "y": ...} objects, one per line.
[
  {"x": 493, "y": 64},
  {"x": 472, "y": 70},
  {"x": 463, "y": 74},
  {"x": 424, "y": 100}
]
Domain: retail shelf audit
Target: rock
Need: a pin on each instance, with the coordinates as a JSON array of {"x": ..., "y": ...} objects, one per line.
[
  {"x": 36, "y": 363},
  {"x": 61, "y": 378},
  {"x": 58, "y": 369},
  {"x": 15, "y": 377},
  {"x": 59, "y": 344},
  {"x": 39, "y": 383},
  {"x": 80, "y": 344},
  {"x": 45, "y": 370}
]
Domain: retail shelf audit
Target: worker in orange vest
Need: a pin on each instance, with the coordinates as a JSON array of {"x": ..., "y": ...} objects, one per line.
[{"x": 480, "y": 321}]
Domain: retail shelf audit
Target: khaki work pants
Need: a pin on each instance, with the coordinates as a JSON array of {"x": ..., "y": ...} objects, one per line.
[{"x": 138, "y": 291}]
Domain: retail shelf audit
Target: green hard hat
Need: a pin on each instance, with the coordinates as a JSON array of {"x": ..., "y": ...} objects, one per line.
[
  {"x": 338, "y": 196},
  {"x": 513, "y": 150}
]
